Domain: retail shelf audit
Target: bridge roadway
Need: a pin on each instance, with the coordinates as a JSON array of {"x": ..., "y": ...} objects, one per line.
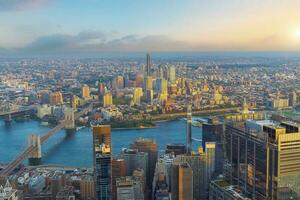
[
  {"x": 15, "y": 163},
  {"x": 17, "y": 111}
]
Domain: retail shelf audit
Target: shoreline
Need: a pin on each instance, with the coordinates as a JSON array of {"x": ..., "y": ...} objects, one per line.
[{"x": 133, "y": 128}]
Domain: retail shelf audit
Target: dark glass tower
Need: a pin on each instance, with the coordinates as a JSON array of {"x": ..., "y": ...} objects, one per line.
[
  {"x": 189, "y": 129},
  {"x": 102, "y": 162},
  {"x": 264, "y": 162},
  {"x": 148, "y": 64}
]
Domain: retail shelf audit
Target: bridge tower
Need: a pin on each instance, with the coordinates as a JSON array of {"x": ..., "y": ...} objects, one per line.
[
  {"x": 8, "y": 119},
  {"x": 35, "y": 157},
  {"x": 69, "y": 120}
]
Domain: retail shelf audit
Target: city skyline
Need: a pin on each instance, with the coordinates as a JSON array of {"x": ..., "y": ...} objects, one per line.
[{"x": 42, "y": 27}]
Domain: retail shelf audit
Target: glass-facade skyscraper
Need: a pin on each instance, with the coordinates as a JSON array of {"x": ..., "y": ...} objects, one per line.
[
  {"x": 264, "y": 163},
  {"x": 102, "y": 162}
]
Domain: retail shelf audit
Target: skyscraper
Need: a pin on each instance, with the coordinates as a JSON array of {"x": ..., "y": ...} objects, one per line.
[
  {"x": 263, "y": 158},
  {"x": 185, "y": 182},
  {"x": 85, "y": 91},
  {"x": 189, "y": 130},
  {"x": 212, "y": 131},
  {"x": 137, "y": 94},
  {"x": 134, "y": 160},
  {"x": 107, "y": 99},
  {"x": 102, "y": 162},
  {"x": 172, "y": 74},
  {"x": 118, "y": 170},
  {"x": 150, "y": 147},
  {"x": 148, "y": 65}
]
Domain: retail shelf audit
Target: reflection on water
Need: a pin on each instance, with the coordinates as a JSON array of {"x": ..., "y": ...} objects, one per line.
[{"x": 76, "y": 149}]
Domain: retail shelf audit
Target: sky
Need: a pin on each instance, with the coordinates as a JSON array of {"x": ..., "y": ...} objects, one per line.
[{"x": 91, "y": 26}]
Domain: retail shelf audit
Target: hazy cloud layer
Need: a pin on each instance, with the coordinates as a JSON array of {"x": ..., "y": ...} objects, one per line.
[
  {"x": 96, "y": 41},
  {"x": 19, "y": 5}
]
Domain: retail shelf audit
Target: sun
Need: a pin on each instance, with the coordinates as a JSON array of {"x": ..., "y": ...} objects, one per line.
[{"x": 297, "y": 33}]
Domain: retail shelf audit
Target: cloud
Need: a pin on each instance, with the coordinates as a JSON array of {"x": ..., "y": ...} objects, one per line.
[
  {"x": 20, "y": 5},
  {"x": 96, "y": 41},
  {"x": 64, "y": 42}
]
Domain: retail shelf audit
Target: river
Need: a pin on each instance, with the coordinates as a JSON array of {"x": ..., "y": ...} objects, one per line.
[{"x": 76, "y": 149}]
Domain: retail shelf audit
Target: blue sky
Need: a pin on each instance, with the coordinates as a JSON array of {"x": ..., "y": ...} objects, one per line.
[{"x": 49, "y": 26}]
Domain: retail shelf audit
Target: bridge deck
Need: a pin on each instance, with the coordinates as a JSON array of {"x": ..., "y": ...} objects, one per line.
[{"x": 15, "y": 163}]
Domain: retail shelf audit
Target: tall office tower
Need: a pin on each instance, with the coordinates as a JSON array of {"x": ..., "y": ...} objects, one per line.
[
  {"x": 137, "y": 95},
  {"x": 210, "y": 152},
  {"x": 135, "y": 160},
  {"x": 189, "y": 130},
  {"x": 85, "y": 91},
  {"x": 172, "y": 74},
  {"x": 118, "y": 170},
  {"x": 174, "y": 180},
  {"x": 185, "y": 182},
  {"x": 263, "y": 158},
  {"x": 102, "y": 162},
  {"x": 202, "y": 165},
  {"x": 148, "y": 65},
  {"x": 212, "y": 131},
  {"x": 107, "y": 99},
  {"x": 150, "y": 147}
]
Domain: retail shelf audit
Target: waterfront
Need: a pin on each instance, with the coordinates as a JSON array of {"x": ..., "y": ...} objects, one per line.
[{"x": 76, "y": 149}]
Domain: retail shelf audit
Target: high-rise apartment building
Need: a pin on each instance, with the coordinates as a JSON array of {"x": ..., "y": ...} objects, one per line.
[
  {"x": 148, "y": 83},
  {"x": 161, "y": 86},
  {"x": 102, "y": 162},
  {"x": 172, "y": 74},
  {"x": 107, "y": 99},
  {"x": 137, "y": 95},
  {"x": 87, "y": 187},
  {"x": 85, "y": 91}
]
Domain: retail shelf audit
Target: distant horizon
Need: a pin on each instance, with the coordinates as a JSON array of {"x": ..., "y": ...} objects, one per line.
[{"x": 159, "y": 54}]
